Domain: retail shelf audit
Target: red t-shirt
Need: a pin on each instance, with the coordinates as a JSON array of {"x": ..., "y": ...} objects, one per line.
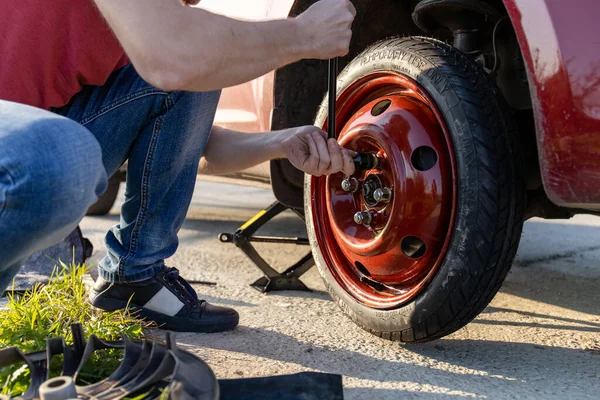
[{"x": 49, "y": 50}]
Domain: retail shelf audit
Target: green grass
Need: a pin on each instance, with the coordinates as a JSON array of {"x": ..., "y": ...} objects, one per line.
[{"x": 48, "y": 311}]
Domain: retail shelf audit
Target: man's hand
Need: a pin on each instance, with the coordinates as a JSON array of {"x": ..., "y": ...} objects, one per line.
[
  {"x": 328, "y": 25},
  {"x": 308, "y": 149}
]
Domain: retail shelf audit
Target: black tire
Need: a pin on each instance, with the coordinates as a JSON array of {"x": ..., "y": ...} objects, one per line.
[
  {"x": 490, "y": 198},
  {"x": 107, "y": 200}
]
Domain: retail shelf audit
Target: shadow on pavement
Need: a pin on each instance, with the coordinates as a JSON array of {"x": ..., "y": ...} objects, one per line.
[
  {"x": 377, "y": 394},
  {"x": 521, "y": 363},
  {"x": 227, "y": 302},
  {"x": 557, "y": 264},
  {"x": 579, "y": 325},
  {"x": 551, "y": 287},
  {"x": 313, "y": 294},
  {"x": 478, "y": 367},
  {"x": 545, "y": 241}
]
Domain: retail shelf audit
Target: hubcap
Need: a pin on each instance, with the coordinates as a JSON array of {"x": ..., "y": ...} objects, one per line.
[{"x": 387, "y": 259}]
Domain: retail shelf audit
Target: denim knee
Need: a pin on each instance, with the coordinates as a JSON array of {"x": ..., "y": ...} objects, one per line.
[{"x": 56, "y": 173}]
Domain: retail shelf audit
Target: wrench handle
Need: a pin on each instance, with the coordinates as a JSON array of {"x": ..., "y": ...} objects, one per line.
[{"x": 332, "y": 93}]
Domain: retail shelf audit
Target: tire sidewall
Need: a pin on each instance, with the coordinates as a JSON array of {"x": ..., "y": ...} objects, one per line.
[{"x": 451, "y": 271}]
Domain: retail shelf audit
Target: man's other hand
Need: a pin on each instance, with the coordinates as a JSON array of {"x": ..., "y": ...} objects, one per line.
[
  {"x": 308, "y": 149},
  {"x": 328, "y": 26}
]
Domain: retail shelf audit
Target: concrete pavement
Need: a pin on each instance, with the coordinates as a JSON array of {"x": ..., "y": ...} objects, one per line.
[{"x": 539, "y": 338}]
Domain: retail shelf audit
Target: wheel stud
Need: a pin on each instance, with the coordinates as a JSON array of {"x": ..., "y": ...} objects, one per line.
[
  {"x": 363, "y": 218},
  {"x": 383, "y": 195},
  {"x": 350, "y": 185}
]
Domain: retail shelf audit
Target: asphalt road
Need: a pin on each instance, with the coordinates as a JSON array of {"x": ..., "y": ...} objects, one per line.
[{"x": 539, "y": 338}]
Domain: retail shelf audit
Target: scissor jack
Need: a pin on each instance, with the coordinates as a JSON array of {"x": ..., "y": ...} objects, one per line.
[{"x": 272, "y": 280}]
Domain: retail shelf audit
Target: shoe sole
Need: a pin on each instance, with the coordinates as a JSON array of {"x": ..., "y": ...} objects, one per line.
[{"x": 163, "y": 321}]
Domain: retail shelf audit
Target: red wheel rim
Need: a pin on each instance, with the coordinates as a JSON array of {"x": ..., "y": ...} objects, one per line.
[{"x": 388, "y": 262}]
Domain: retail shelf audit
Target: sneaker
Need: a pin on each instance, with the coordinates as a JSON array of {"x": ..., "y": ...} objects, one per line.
[{"x": 167, "y": 299}]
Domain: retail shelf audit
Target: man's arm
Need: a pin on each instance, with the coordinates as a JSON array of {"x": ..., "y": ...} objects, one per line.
[
  {"x": 306, "y": 147},
  {"x": 175, "y": 47}
]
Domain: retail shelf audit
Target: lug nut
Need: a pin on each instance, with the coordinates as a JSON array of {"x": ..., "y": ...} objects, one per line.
[
  {"x": 350, "y": 185},
  {"x": 383, "y": 195},
  {"x": 363, "y": 218}
]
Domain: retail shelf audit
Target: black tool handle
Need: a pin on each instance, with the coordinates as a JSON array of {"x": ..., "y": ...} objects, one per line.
[
  {"x": 332, "y": 94},
  {"x": 362, "y": 161}
]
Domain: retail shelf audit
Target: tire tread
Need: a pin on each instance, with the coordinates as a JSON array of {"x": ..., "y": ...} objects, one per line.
[{"x": 500, "y": 201}]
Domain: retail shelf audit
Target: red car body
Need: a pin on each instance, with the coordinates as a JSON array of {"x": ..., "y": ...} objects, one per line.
[{"x": 560, "y": 43}]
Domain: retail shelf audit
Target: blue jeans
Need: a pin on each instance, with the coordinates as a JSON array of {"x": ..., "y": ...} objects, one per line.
[{"x": 53, "y": 165}]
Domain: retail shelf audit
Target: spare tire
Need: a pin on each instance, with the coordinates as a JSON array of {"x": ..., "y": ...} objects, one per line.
[{"x": 434, "y": 245}]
